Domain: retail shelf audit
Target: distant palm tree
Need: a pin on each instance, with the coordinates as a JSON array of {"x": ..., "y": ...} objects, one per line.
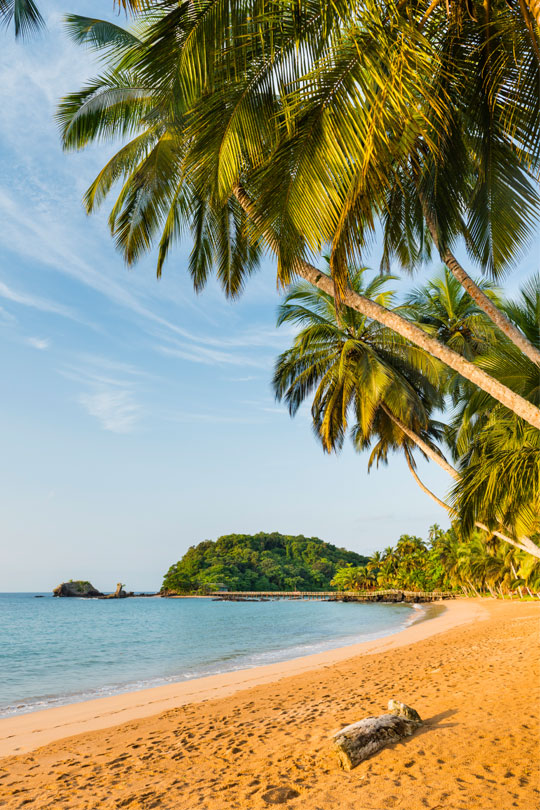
[
  {"x": 374, "y": 563},
  {"x": 353, "y": 578}
]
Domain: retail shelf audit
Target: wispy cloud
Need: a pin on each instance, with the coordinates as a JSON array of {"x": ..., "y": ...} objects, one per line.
[
  {"x": 6, "y": 316},
  {"x": 207, "y": 356},
  {"x": 47, "y": 240},
  {"x": 107, "y": 364},
  {"x": 38, "y": 343},
  {"x": 110, "y": 395},
  {"x": 208, "y": 417},
  {"x": 116, "y": 410},
  {"x": 95, "y": 370},
  {"x": 29, "y": 300}
]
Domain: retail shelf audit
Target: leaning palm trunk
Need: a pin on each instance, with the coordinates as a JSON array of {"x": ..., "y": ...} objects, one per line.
[
  {"x": 515, "y": 574},
  {"x": 481, "y": 299},
  {"x": 523, "y": 544},
  {"x": 426, "y": 448},
  {"x": 401, "y": 326},
  {"x": 534, "y": 10},
  {"x": 474, "y": 589},
  {"x": 422, "y": 485}
]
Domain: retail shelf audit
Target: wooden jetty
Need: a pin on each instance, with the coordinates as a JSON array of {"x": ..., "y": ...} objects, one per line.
[{"x": 334, "y": 596}]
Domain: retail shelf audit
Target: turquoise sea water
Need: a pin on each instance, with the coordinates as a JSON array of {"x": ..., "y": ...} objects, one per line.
[{"x": 55, "y": 651}]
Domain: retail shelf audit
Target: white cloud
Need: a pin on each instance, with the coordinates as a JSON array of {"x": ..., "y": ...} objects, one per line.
[
  {"x": 206, "y": 356},
  {"x": 6, "y": 316},
  {"x": 38, "y": 343},
  {"x": 28, "y": 300},
  {"x": 210, "y": 417},
  {"x": 106, "y": 364},
  {"x": 116, "y": 410}
]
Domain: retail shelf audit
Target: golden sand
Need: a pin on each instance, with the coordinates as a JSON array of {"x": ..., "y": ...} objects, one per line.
[{"x": 249, "y": 739}]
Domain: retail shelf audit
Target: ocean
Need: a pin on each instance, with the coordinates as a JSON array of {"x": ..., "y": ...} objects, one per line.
[{"x": 56, "y": 651}]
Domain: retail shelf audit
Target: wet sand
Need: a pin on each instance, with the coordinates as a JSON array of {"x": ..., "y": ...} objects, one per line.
[{"x": 259, "y": 737}]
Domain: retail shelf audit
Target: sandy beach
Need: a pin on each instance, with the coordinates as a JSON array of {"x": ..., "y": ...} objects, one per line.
[{"x": 259, "y": 737}]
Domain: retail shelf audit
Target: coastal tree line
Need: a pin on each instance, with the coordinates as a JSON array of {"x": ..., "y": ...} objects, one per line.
[
  {"x": 293, "y": 130},
  {"x": 446, "y": 562}
]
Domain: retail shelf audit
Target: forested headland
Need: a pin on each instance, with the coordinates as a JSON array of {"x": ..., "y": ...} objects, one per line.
[
  {"x": 446, "y": 561},
  {"x": 259, "y": 562}
]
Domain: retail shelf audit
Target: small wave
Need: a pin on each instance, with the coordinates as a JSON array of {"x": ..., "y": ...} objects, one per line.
[{"x": 228, "y": 661}]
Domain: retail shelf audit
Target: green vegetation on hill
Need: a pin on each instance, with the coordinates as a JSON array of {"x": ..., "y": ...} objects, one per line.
[{"x": 259, "y": 562}]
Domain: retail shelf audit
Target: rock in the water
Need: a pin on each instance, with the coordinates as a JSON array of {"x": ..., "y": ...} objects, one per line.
[
  {"x": 360, "y": 740},
  {"x": 76, "y": 587},
  {"x": 119, "y": 593},
  {"x": 279, "y": 795},
  {"x": 402, "y": 710}
]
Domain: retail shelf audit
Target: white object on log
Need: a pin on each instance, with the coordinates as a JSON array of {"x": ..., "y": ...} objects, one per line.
[{"x": 360, "y": 740}]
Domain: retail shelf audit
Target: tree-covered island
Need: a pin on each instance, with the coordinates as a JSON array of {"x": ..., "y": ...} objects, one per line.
[{"x": 259, "y": 562}]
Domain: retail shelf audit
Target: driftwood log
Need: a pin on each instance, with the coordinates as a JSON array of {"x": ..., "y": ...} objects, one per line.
[{"x": 360, "y": 740}]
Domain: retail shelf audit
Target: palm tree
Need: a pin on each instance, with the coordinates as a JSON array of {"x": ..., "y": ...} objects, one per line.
[
  {"x": 374, "y": 563},
  {"x": 349, "y": 367},
  {"x": 344, "y": 578},
  {"x": 354, "y": 365},
  {"x": 497, "y": 453},
  {"x": 443, "y": 308},
  {"x": 209, "y": 120},
  {"x": 27, "y": 18}
]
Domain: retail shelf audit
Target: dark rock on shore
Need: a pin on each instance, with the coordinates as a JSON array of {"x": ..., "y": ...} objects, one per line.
[{"x": 78, "y": 588}]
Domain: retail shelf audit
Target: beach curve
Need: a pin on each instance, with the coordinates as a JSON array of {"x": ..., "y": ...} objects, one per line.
[{"x": 23, "y": 733}]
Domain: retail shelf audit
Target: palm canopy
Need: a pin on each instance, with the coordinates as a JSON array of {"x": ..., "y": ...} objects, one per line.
[
  {"x": 354, "y": 367},
  {"x": 266, "y": 125},
  {"x": 336, "y": 115},
  {"x": 26, "y": 16},
  {"x": 498, "y": 454},
  {"x": 444, "y": 309}
]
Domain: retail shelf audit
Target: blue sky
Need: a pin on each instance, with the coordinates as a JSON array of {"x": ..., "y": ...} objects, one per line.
[{"x": 137, "y": 417}]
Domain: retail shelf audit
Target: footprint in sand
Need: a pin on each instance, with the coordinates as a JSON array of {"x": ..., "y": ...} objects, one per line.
[{"x": 279, "y": 795}]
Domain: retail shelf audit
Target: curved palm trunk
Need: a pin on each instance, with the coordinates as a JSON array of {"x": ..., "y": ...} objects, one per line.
[
  {"x": 534, "y": 10},
  {"x": 514, "y": 402},
  {"x": 474, "y": 589},
  {"x": 523, "y": 544},
  {"x": 423, "y": 486},
  {"x": 482, "y": 300},
  {"x": 429, "y": 451},
  {"x": 401, "y": 326},
  {"x": 515, "y": 575},
  {"x": 530, "y": 11}
]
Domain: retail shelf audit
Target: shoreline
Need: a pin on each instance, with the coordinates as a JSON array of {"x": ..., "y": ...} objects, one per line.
[
  {"x": 269, "y": 744},
  {"x": 417, "y": 612},
  {"x": 23, "y": 733}
]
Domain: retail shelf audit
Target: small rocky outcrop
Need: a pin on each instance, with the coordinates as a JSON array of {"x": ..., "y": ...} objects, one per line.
[
  {"x": 360, "y": 740},
  {"x": 120, "y": 593},
  {"x": 77, "y": 587}
]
